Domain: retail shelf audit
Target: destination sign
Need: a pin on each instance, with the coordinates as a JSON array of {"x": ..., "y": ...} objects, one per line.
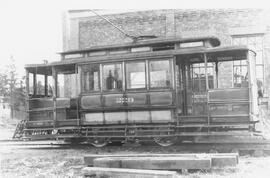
[{"x": 124, "y": 100}]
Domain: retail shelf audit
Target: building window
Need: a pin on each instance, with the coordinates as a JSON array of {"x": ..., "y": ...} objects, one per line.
[
  {"x": 135, "y": 75},
  {"x": 90, "y": 78},
  {"x": 160, "y": 76},
  {"x": 199, "y": 78},
  {"x": 112, "y": 77},
  {"x": 254, "y": 42}
]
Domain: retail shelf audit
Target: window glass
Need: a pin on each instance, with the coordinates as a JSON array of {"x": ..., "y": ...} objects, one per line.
[
  {"x": 240, "y": 74},
  {"x": 196, "y": 85},
  {"x": 160, "y": 76},
  {"x": 66, "y": 85},
  {"x": 31, "y": 83},
  {"x": 112, "y": 77},
  {"x": 196, "y": 72},
  {"x": 199, "y": 78},
  {"x": 260, "y": 86},
  {"x": 90, "y": 77},
  {"x": 60, "y": 85},
  {"x": 40, "y": 84},
  {"x": 50, "y": 86},
  {"x": 135, "y": 75},
  {"x": 254, "y": 42}
]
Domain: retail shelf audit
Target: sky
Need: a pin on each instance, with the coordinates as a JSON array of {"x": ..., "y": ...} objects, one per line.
[{"x": 31, "y": 30}]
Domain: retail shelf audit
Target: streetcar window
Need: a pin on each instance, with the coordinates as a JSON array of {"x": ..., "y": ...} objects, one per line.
[
  {"x": 210, "y": 74},
  {"x": 60, "y": 85},
  {"x": 140, "y": 49},
  {"x": 225, "y": 74},
  {"x": 191, "y": 44},
  {"x": 50, "y": 86},
  {"x": 135, "y": 74},
  {"x": 66, "y": 85},
  {"x": 240, "y": 74},
  {"x": 40, "y": 88},
  {"x": 72, "y": 56},
  {"x": 163, "y": 47},
  {"x": 31, "y": 83},
  {"x": 38, "y": 85},
  {"x": 160, "y": 76},
  {"x": 90, "y": 77},
  {"x": 199, "y": 77},
  {"x": 112, "y": 77},
  {"x": 97, "y": 53}
]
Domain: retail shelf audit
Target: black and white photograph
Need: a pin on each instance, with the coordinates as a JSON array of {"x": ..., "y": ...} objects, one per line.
[{"x": 134, "y": 89}]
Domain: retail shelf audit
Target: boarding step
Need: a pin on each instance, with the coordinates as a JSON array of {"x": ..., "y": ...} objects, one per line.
[{"x": 18, "y": 133}]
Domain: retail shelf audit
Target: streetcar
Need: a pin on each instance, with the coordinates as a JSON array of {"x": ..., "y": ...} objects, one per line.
[{"x": 163, "y": 90}]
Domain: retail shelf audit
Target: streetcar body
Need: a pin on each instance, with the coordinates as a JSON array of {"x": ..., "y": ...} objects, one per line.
[{"x": 154, "y": 89}]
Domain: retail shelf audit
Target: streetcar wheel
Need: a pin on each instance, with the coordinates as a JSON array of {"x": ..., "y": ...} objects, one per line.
[
  {"x": 74, "y": 141},
  {"x": 165, "y": 141},
  {"x": 99, "y": 142}
]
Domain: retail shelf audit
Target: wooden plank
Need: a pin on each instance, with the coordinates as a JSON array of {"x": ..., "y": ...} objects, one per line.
[
  {"x": 89, "y": 159},
  {"x": 155, "y": 163},
  {"x": 99, "y": 172},
  {"x": 224, "y": 161}
]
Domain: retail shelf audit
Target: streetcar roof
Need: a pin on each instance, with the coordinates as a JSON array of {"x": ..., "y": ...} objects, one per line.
[
  {"x": 234, "y": 51},
  {"x": 147, "y": 42}
]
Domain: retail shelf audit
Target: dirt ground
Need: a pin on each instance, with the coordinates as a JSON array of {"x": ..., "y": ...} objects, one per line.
[{"x": 67, "y": 163}]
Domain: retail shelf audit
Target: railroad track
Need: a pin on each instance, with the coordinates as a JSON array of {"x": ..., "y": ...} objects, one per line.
[
  {"x": 32, "y": 144},
  {"x": 256, "y": 148}
]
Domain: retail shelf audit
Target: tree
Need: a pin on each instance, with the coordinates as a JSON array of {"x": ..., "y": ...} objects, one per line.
[
  {"x": 3, "y": 84},
  {"x": 11, "y": 87}
]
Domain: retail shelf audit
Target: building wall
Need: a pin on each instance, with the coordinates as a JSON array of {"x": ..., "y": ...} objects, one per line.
[{"x": 83, "y": 30}]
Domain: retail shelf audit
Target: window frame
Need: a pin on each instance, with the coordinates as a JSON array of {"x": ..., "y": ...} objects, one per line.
[
  {"x": 65, "y": 74},
  {"x": 200, "y": 79},
  {"x": 32, "y": 85},
  {"x": 101, "y": 77},
  {"x": 145, "y": 71},
  {"x": 82, "y": 66},
  {"x": 43, "y": 85},
  {"x": 258, "y": 37},
  {"x": 170, "y": 72},
  {"x": 240, "y": 65}
]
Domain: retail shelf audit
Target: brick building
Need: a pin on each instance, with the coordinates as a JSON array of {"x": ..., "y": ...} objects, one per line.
[{"x": 82, "y": 29}]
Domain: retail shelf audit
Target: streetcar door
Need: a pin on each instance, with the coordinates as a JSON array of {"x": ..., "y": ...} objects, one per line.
[
  {"x": 192, "y": 90},
  {"x": 66, "y": 90}
]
